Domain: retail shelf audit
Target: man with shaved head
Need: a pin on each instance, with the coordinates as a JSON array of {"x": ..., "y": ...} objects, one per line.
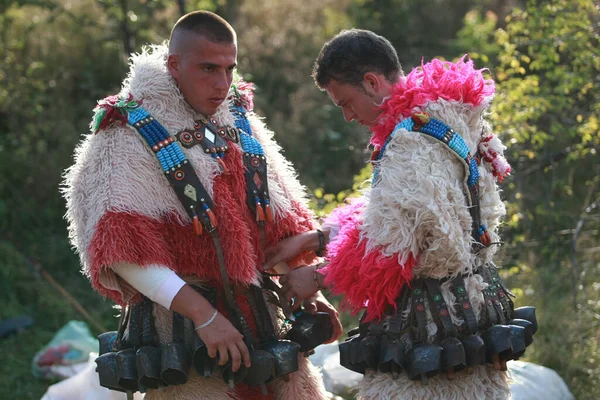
[
  {"x": 202, "y": 58},
  {"x": 172, "y": 200}
]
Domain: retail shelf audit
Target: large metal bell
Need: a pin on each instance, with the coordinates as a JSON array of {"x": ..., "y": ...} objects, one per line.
[
  {"x": 203, "y": 364},
  {"x": 230, "y": 377},
  {"x": 453, "y": 355},
  {"x": 474, "y": 350},
  {"x": 369, "y": 352},
  {"x": 391, "y": 355},
  {"x": 517, "y": 342},
  {"x": 528, "y": 314},
  {"x": 174, "y": 363},
  {"x": 310, "y": 331},
  {"x": 285, "y": 354},
  {"x": 148, "y": 367},
  {"x": 423, "y": 361},
  {"x": 107, "y": 371},
  {"x": 528, "y": 329},
  {"x": 349, "y": 353},
  {"x": 497, "y": 341},
  {"x": 108, "y": 342},
  {"x": 262, "y": 368},
  {"x": 127, "y": 370}
]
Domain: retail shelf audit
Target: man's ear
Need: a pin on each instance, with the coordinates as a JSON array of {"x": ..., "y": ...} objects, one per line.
[
  {"x": 371, "y": 83},
  {"x": 173, "y": 66}
]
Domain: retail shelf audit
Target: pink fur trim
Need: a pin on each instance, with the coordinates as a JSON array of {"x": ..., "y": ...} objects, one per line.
[
  {"x": 243, "y": 94},
  {"x": 366, "y": 279},
  {"x": 434, "y": 80},
  {"x": 345, "y": 217}
]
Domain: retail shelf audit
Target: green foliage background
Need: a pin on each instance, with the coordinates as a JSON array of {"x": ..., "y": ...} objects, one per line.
[{"x": 57, "y": 57}]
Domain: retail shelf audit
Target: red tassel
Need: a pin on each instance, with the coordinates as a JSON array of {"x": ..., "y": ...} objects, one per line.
[
  {"x": 197, "y": 226},
  {"x": 269, "y": 213},
  {"x": 486, "y": 239},
  {"x": 222, "y": 164},
  {"x": 212, "y": 218},
  {"x": 374, "y": 154},
  {"x": 260, "y": 214}
]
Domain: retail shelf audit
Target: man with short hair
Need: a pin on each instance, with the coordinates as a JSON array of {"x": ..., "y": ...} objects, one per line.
[
  {"x": 171, "y": 202},
  {"x": 416, "y": 252}
]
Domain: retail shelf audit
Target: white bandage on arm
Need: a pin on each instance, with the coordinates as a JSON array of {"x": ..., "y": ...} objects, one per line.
[{"x": 157, "y": 282}]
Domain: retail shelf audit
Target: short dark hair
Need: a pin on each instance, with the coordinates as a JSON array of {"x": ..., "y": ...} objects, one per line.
[
  {"x": 351, "y": 54},
  {"x": 205, "y": 23}
]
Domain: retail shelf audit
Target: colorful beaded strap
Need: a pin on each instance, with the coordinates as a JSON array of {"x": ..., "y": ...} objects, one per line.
[
  {"x": 212, "y": 139},
  {"x": 421, "y": 122},
  {"x": 178, "y": 170},
  {"x": 164, "y": 146},
  {"x": 256, "y": 168}
]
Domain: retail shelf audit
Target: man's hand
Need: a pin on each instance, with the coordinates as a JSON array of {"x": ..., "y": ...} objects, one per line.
[
  {"x": 299, "y": 284},
  {"x": 287, "y": 249},
  {"x": 220, "y": 336},
  {"x": 318, "y": 303}
]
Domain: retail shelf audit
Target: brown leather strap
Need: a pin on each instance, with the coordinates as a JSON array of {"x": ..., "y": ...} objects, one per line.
[
  {"x": 233, "y": 309},
  {"x": 438, "y": 307}
]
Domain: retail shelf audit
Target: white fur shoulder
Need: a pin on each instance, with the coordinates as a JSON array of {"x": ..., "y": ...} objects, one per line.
[{"x": 417, "y": 206}]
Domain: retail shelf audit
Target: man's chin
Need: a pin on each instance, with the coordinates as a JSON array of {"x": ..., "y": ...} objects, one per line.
[{"x": 207, "y": 111}]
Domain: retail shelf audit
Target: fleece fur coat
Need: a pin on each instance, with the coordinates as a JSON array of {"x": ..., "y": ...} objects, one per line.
[
  {"x": 414, "y": 221},
  {"x": 121, "y": 208}
]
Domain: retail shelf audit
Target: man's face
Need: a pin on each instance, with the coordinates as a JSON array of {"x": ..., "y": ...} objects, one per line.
[
  {"x": 356, "y": 104},
  {"x": 204, "y": 72}
]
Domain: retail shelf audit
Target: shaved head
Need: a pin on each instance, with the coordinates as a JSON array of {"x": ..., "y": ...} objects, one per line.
[
  {"x": 202, "y": 58},
  {"x": 200, "y": 24}
]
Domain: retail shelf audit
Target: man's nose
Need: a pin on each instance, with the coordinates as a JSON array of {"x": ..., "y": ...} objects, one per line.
[
  {"x": 222, "y": 82},
  {"x": 348, "y": 115}
]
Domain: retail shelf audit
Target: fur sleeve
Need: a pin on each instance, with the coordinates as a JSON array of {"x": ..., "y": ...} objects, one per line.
[
  {"x": 366, "y": 278},
  {"x": 418, "y": 207},
  {"x": 115, "y": 197}
]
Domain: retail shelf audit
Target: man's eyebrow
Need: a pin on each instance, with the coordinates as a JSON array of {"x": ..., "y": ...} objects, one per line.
[{"x": 208, "y": 64}]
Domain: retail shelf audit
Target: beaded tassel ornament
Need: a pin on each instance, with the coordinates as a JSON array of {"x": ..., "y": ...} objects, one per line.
[{"x": 256, "y": 167}]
